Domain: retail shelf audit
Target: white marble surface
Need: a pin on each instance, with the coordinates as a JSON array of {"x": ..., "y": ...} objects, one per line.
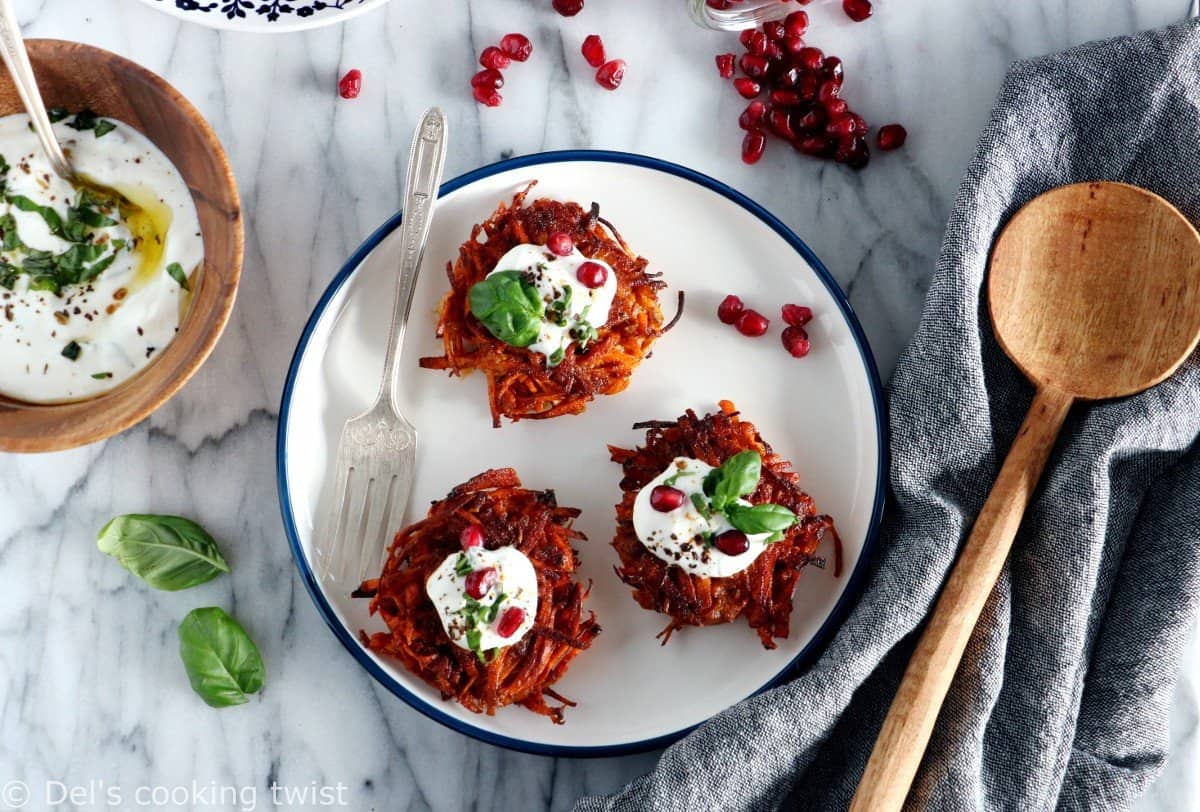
[{"x": 91, "y": 689}]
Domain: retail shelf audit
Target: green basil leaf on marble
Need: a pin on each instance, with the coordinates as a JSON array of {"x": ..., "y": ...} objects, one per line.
[
  {"x": 167, "y": 552},
  {"x": 222, "y": 662}
]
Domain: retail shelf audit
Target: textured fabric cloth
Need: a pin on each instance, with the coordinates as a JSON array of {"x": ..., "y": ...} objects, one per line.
[{"x": 1062, "y": 698}]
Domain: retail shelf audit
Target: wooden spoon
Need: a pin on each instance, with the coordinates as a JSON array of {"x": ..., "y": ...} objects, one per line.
[{"x": 1094, "y": 292}]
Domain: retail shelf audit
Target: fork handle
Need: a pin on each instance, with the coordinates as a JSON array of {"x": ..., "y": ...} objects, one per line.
[{"x": 426, "y": 161}]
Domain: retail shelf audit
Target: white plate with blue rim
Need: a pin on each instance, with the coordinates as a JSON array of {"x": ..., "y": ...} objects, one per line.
[
  {"x": 264, "y": 16},
  {"x": 823, "y": 412}
]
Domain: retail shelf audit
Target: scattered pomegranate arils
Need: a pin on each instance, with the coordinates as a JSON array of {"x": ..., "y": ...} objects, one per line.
[
  {"x": 593, "y": 50},
  {"x": 788, "y": 77},
  {"x": 748, "y": 88},
  {"x": 611, "y": 74},
  {"x": 512, "y": 617},
  {"x": 725, "y": 64},
  {"x": 746, "y": 36},
  {"x": 780, "y": 123},
  {"x": 840, "y": 126},
  {"x": 752, "y": 323},
  {"x": 754, "y": 66},
  {"x": 493, "y": 57},
  {"x": 664, "y": 498},
  {"x": 560, "y": 243},
  {"x": 786, "y": 98},
  {"x": 891, "y": 136},
  {"x": 488, "y": 77},
  {"x": 350, "y": 85},
  {"x": 758, "y": 43},
  {"x": 811, "y": 59},
  {"x": 567, "y": 8},
  {"x": 517, "y": 46},
  {"x": 816, "y": 146},
  {"x": 796, "y": 315},
  {"x": 732, "y": 542},
  {"x": 793, "y": 45},
  {"x": 480, "y": 581},
  {"x": 795, "y": 341},
  {"x": 832, "y": 68},
  {"x": 730, "y": 308},
  {"x": 471, "y": 536},
  {"x": 807, "y": 86},
  {"x": 852, "y": 152},
  {"x": 795, "y": 24},
  {"x": 812, "y": 122},
  {"x": 592, "y": 275},
  {"x": 753, "y": 146},
  {"x": 835, "y": 107},
  {"x": 752, "y": 116},
  {"x": 774, "y": 30},
  {"x": 857, "y": 10},
  {"x": 828, "y": 91},
  {"x": 774, "y": 51},
  {"x": 487, "y": 96}
]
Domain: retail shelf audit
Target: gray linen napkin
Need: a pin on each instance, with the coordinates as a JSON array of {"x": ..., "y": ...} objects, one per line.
[{"x": 1062, "y": 698}]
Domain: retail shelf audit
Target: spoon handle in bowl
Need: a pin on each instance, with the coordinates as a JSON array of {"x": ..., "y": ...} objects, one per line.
[
  {"x": 909, "y": 723},
  {"x": 16, "y": 59}
]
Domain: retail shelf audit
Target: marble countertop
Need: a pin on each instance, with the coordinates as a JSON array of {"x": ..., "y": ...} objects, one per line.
[{"x": 91, "y": 690}]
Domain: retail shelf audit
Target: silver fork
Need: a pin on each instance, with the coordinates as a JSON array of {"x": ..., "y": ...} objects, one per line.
[{"x": 377, "y": 453}]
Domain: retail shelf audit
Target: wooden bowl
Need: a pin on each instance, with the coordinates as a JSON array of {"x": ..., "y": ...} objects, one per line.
[{"x": 78, "y": 76}]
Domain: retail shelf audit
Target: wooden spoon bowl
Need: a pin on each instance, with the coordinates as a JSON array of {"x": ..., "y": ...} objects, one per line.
[
  {"x": 1094, "y": 292},
  {"x": 77, "y": 76}
]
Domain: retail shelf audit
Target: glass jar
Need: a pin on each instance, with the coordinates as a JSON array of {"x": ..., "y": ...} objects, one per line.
[{"x": 739, "y": 14}]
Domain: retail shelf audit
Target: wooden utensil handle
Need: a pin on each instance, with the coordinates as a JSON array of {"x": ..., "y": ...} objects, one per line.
[{"x": 909, "y": 723}]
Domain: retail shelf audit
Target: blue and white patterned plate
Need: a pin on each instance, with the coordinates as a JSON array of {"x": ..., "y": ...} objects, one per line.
[{"x": 266, "y": 16}]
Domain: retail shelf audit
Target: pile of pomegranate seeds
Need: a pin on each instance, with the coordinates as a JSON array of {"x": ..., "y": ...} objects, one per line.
[
  {"x": 486, "y": 84},
  {"x": 350, "y": 85},
  {"x": 803, "y": 89},
  {"x": 752, "y": 323},
  {"x": 608, "y": 73}
]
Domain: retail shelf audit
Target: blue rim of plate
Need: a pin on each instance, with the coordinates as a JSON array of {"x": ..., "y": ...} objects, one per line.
[{"x": 832, "y": 622}]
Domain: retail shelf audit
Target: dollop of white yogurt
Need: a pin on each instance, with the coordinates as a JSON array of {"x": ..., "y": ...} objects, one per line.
[
  {"x": 516, "y": 586},
  {"x": 553, "y": 275},
  {"x": 117, "y": 322},
  {"x": 678, "y": 536}
]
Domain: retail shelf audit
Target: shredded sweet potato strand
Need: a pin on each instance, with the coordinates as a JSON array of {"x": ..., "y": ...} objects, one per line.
[
  {"x": 520, "y": 385},
  {"x": 521, "y": 673},
  {"x": 762, "y": 593}
]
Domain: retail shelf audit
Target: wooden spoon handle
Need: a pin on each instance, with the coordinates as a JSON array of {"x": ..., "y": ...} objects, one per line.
[{"x": 909, "y": 723}]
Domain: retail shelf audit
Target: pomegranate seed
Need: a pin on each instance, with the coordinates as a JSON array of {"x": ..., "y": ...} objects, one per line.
[
  {"x": 785, "y": 98},
  {"x": 664, "y": 498},
  {"x": 512, "y": 617},
  {"x": 811, "y": 59},
  {"x": 775, "y": 30},
  {"x": 752, "y": 323},
  {"x": 746, "y": 36},
  {"x": 493, "y": 57},
  {"x": 852, "y": 152},
  {"x": 891, "y": 136},
  {"x": 860, "y": 123},
  {"x": 832, "y": 69},
  {"x": 748, "y": 88},
  {"x": 593, "y": 50},
  {"x": 730, "y": 308},
  {"x": 732, "y": 542},
  {"x": 816, "y": 145},
  {"x": 753, "y": 145},
  {"x": 471, "y": 536},
  {"x": 487, "y": 96},
  {"x": 793, "y": 45},
  {"x": 828, "y": 91},
  {"x": 758, "y": 43},
  {"x": 788, "y": 77},
  {"x": 835, "y": 107},
  {"x": 517, "y": 46},
  {"x": 796, "y": 315},
  {"x": 755, "y": 67},
  {"x": 812, "y": 122},
  {"x": 568, "y": 8},
  {"x": 857, "y": 10},
  {"x": 795, "y": 24},
  {"x": 488, "y": 77},
  {"x": 611, "y": 74},
  {"x": 725, "y": 65},
  {"x": 774, "y": 51},
  {"x": 752, "y": 116},
  {"x": 795, "y": 341},
  {"x": 807, "y": 87},
  {"x": 560, "y": 243},
  {"x": 780, "y": 123},
  {"x": 592, "y": 274},
  {"x": 480, "y": 581},
  {"x": 350, "y": 85},
  {"x": 840, "y": 126}
]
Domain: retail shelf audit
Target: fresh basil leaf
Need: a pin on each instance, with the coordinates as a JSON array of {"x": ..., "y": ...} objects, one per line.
[
  {"x": 8, "y": 229},
  {"x": 222, "y": 662},
  {"x": 167, "y": 552},
  {"x": 177, "y": 273},
  {"x": 102, "y": 376},
  {"x": 702, "y": 506},
  {"x": 104, "y": 127},
  {"x": 47, "y": 213},
  {"x": 753, "y": 519},
  {"x": 509, "y": 307},
  {"x": 739, "y": 477}
]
